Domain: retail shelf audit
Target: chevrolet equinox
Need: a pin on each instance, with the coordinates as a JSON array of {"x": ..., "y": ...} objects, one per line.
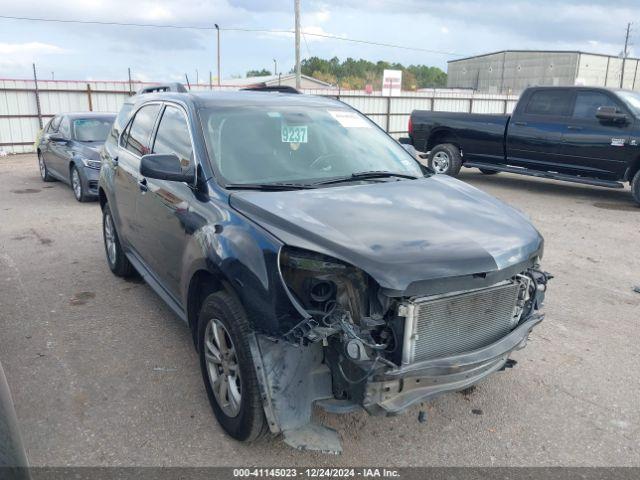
[{"x": 314, "y": 259}]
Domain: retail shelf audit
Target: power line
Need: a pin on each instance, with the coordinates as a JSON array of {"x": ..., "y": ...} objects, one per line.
[
  {"x": 380, "y": 44},
  {"x": 231, "y": 29}
]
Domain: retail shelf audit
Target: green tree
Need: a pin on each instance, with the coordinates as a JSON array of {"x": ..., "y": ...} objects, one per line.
[
  {"x": 356, "y": 73},
  {"x": 258, "y": 73}
]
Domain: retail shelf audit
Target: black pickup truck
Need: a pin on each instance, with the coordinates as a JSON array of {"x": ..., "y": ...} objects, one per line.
[{"x": 585, "y": 135}]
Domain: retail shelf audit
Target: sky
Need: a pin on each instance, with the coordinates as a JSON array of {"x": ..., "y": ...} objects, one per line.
[{"x": 443, "y": 30}]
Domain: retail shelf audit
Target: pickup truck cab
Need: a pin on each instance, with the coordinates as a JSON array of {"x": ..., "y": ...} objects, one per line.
[
  {"x": 585, "y": 135},
  {"x": 314, "y": 259}
]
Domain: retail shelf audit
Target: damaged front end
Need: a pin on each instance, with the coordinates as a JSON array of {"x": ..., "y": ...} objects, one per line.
[{"x": 359, "y": 347}]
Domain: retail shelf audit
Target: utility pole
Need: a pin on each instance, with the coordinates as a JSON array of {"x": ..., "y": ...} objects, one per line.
[
  {"x": 275, "y": 67},
  {"x": 625, "y": 53},
  {"x": 296, "y": 4},
  {"x": 37, "y": 92},
  {"x": 218, "y": 30}
]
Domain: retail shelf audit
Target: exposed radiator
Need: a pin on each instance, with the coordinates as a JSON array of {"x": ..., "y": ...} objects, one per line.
[{"x": 447, "y": 325}]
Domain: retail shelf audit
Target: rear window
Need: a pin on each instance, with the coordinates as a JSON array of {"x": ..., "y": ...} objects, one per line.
[
  {"x": 137, "y": 139},
  {"x": 549, "y": 102},
  {"x": 121, "y": 120}
]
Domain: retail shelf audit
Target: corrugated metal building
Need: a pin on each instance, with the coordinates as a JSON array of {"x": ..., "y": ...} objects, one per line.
[{"x": 511, "y": 71}]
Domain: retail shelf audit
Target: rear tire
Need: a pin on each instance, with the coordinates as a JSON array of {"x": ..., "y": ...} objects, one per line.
[
  {"x": 635, "y": 187},
  {"x": 44, "y": 171},
  {"x": 445, "y": 159},
  {"x": 116, "y": 259},
  {"x": 226, "y": 360},
  {"x": 488, "y": 172}
]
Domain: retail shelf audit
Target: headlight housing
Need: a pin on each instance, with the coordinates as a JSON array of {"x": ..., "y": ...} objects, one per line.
[
  {"x": 322, "y": 284},
  {"x": 96, "y": 164}
]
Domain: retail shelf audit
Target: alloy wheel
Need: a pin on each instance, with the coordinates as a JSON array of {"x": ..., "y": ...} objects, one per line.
[
  {"x": 223, "y": 368},
  {"x": 441, "y": 162},
  {"x": 43, "y": 168},
  {"x": 76, "y": 184},
  {"x": 110, "y": 239}
]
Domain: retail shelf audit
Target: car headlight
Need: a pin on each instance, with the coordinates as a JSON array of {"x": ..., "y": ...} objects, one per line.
[
  {"x": 322, "y": 284},
  {"x": 92, "y": 163}
]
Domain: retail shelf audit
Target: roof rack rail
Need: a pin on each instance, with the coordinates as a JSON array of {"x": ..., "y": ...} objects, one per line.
[
  {"x": 273, "y": 88},
  {"x": 163, "y": 87}
]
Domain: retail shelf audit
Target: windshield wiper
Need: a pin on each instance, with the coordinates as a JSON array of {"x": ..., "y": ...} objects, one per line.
[
  {"x": 365, "y": 176},
  {"x": 280, "y": 186}
]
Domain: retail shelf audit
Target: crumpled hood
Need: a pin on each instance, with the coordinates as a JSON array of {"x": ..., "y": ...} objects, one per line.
[{"x": 401, "y": 233}]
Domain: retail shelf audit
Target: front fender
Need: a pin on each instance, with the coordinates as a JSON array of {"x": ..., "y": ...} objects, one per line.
[{"x": 245, "y": 256}]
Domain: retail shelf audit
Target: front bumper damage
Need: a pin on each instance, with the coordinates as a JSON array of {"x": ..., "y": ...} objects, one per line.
[
  {"x": 296, "y": 375},
  {"x": 398, "y": 389}
]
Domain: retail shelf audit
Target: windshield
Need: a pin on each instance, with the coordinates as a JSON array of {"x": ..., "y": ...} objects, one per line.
[
  {"x": 92, "y": 129},
  {"x": 294, "y": 144},
  {"x": 632, "y": 99}
]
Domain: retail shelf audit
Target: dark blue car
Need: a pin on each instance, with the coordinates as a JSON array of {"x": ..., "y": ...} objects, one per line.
[
  {"x": 313, "y": 258},
  {"x": 68, "y": 150}
]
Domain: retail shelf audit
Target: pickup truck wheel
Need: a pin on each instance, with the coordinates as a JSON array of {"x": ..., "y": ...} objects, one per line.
[
  {"x": 117, "y": 260},
  {"x": 227, "y": 367},
  {"x": 488, "y": 172},
  {"x": 635, "y": 187},
  {"x": 445, "y": 158}
]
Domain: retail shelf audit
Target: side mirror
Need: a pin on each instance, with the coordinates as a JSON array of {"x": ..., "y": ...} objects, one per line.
[
  {"x": 611, "y": 114},
  {"x": 164, "y": 166}
]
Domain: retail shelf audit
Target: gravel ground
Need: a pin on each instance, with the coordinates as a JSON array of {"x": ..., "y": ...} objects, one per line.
[{"x": 102, "y": 373}]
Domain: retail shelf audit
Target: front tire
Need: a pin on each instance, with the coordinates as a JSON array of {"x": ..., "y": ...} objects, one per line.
[
  {"x": 116, "y": 259},
  {"x": 635, "y": 187},
  {"x": 76, "y": 185},
  {"x": 44, "y": 171},
  {"x": 445, "y": 159},
  {"x": 227, "y": 367}
]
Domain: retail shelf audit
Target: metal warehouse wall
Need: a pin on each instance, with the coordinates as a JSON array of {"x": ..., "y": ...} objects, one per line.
[
  {"x": 605, "y": 71},
  {"x": 513, "y": 71},
  {"x": 21, "y": 114},
  {"x": 507, "y": 72}
]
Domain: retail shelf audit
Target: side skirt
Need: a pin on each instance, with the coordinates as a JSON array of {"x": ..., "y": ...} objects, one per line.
[
  {"x": 156, "y": 286},
  {"x": 542, "y": 174}
]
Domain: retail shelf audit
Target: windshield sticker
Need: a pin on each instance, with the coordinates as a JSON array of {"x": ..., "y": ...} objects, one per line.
[
  {"x": 349, "y": 119},
  {"x": 294, "y": 133}
]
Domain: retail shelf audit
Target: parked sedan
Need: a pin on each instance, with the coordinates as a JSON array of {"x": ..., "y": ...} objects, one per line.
[{"x": 68, "y": 150}]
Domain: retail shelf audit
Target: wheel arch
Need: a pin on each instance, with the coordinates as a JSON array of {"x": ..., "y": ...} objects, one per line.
[
  {"x": 633, "y": 169},
  {"x": 440, "y": 136},
  {"x": 102, "y": 197},
  {"x": 203, "y": 282}
]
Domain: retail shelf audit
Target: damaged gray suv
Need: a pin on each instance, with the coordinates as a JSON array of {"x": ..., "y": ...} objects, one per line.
[{"x": 314, "y": 259}]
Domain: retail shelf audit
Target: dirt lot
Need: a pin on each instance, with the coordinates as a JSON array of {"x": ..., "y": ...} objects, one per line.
[{"x": 103, "y": 373}]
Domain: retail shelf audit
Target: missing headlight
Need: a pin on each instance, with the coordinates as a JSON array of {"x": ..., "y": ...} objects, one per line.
[{"x": 323, "y": 284}]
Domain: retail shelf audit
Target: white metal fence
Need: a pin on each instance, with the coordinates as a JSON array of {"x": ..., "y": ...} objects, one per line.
[{"x": 25, "y": 106}]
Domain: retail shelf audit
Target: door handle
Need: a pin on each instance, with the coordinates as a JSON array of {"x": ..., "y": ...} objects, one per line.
[
  {"x": 574, "y": 127},
  {"x": 520, "y": 124},
  {"x": 142, "y": 184}
]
